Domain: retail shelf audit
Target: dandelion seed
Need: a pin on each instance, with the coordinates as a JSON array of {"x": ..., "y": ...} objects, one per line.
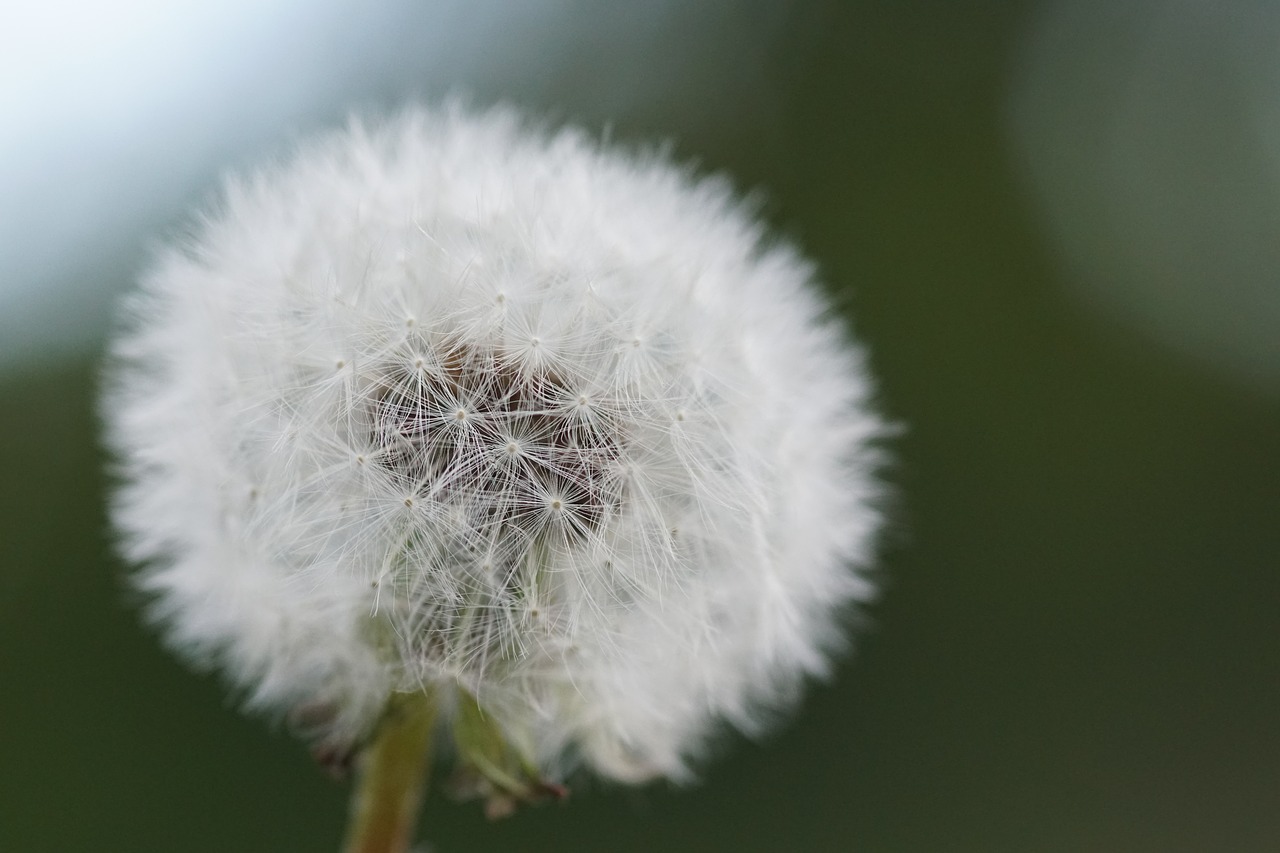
[{"x": 505, "y": 542}]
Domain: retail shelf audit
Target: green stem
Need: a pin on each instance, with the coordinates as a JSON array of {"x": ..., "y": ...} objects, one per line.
[{"x": 393, "y": 775}]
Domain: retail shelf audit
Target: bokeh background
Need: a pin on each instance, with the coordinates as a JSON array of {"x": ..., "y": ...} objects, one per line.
[{"x": 1054, "y": 224}]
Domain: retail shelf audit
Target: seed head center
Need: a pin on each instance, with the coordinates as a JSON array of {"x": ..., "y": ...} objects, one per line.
[{"x": 532, "y": 418}]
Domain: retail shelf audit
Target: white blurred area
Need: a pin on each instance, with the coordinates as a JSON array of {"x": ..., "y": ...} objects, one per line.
[
  {"x": 1149, "y": 133},
  {"x": 115, "y": 118}
]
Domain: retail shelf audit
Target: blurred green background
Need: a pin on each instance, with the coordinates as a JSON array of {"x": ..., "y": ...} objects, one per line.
[{"x": 1053, "y": 224}]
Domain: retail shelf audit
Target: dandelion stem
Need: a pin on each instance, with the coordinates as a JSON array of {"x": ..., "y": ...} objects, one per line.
[{"x": 393, "y": 776}]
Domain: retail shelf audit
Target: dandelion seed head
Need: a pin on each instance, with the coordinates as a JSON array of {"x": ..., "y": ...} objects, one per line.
[{"x": 591, "y": 449}]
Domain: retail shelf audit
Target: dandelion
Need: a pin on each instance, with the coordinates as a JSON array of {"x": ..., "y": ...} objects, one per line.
[{"x": 458, "y": 429}]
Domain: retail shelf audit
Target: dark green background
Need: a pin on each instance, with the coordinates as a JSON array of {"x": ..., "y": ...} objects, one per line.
[{"x": 1078, "y": 645}]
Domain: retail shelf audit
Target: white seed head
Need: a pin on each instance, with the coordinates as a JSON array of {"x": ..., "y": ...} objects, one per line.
[{"x": 454, "y": 402}]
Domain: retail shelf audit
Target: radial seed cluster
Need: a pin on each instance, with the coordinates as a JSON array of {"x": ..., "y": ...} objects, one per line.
[{"x": 456, "y": 403}]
